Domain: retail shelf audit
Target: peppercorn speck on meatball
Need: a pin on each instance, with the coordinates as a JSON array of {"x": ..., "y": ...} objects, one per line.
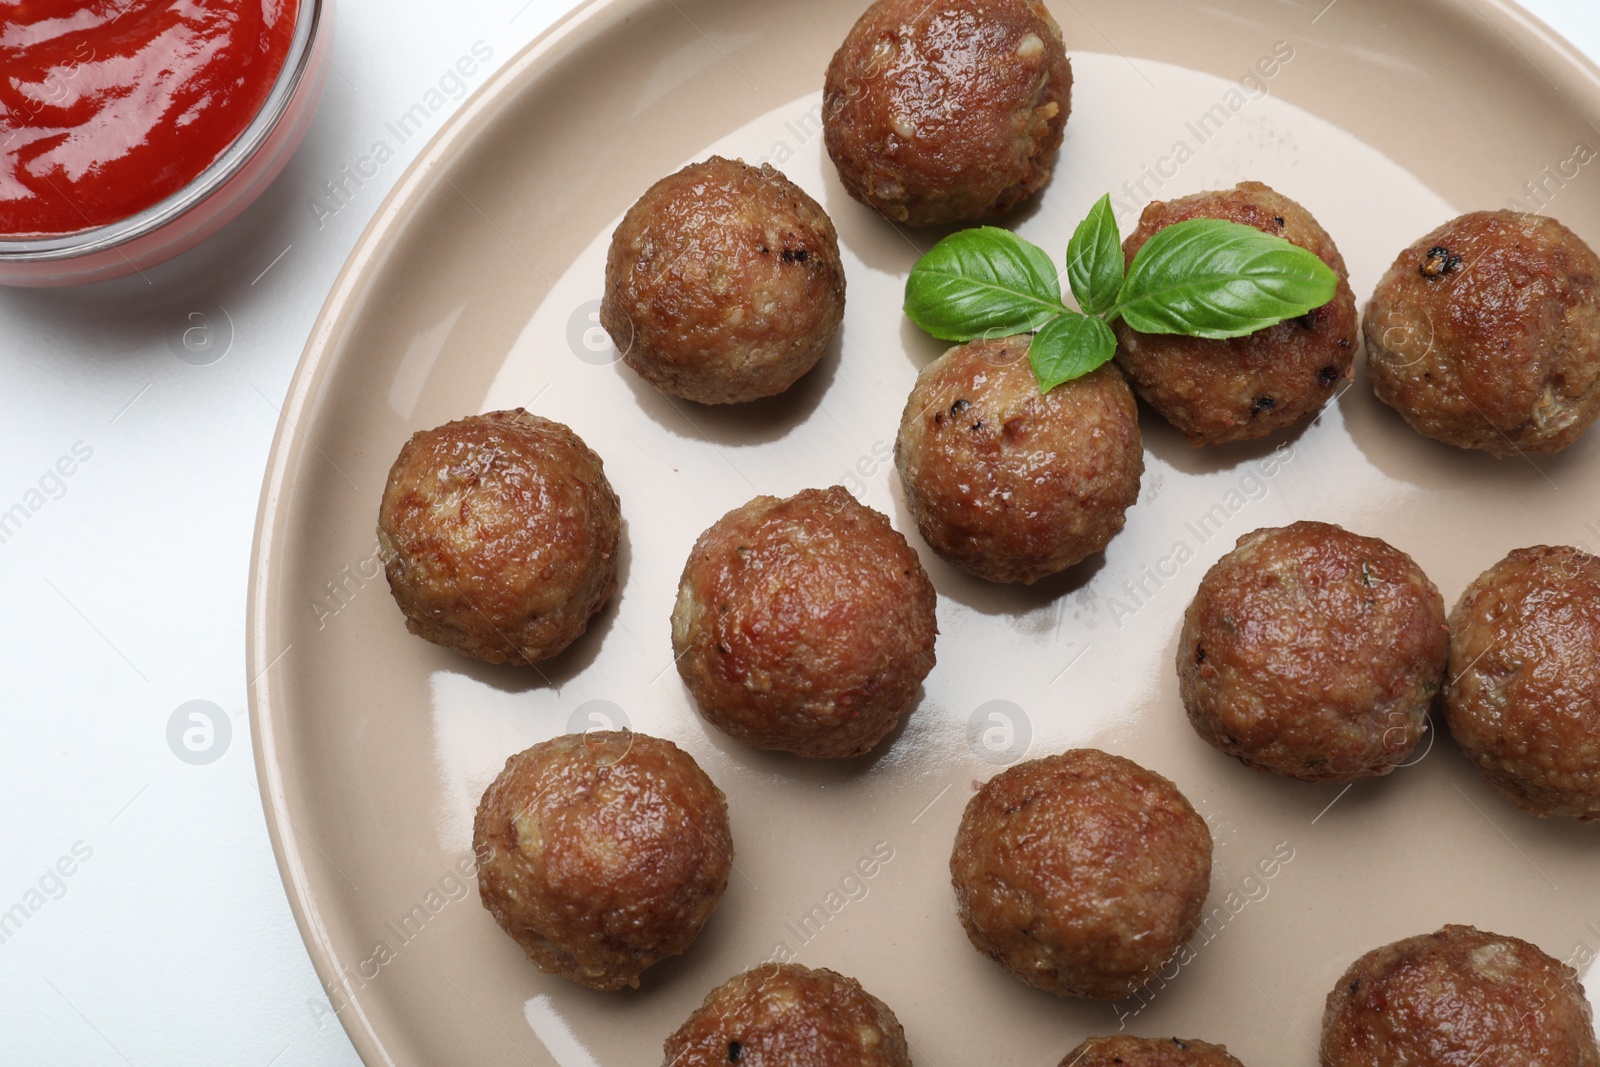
[
  {"x": 804, "y": 625},
  {"x": 1523, "y": 699},
  {"x": 1080, "y": 873},
  {"x": 723, "y": 283},
  {"x": 787, "y": 1015},
  {"x": 1457, "y": 997},
  {"x": 1125, "y": 1050},
  {"x": 1220, "y": 391},
  {"x": 500, "y": 534},
  {"x": 947, "y": 112},
  {"x": 1008, "y": 484},
  {"x": 1313, "y": 652},
  {"x": 1485, "y": 334},
  {"x": 602, "y": 854}
]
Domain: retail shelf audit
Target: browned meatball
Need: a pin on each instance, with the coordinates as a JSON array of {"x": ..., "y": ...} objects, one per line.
[
  {"x": 1524, "y": 694},
  {"x": 723, "y": 283},
  {"x": 1313, "y": 652},
  {"x": 1010, "y": 485},
  {"x": 786, "y": 1015},
  {"x": 950, "y": 111},
  {"x": 804, "y": 625},
  {"x": 1127, "y": 1051},
  {"x": 602, "y": 853},
  {"x": 1216, "y": 392},
  {"x": 1486, "y": 334},
  {"x": 1080, "y": 873},
  {"x": 500, "y": 533},
  {"x": 1458, "y": 998}
]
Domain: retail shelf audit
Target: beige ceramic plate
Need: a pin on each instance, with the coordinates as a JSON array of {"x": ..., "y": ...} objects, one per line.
[{"x": 476, "y": 287}]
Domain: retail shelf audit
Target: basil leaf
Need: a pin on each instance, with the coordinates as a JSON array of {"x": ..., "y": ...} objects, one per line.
[
  {"x": 1070, "y": 347},
  {"x": 1095, "y": 261},
  {"x": 1215, "y": 279},
  {"x": 984, "y": 282}
]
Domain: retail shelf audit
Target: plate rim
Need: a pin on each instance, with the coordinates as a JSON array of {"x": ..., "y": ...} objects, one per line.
[
  {"x": 344, "y": 298},
  {"x": 285, "y": 451}
]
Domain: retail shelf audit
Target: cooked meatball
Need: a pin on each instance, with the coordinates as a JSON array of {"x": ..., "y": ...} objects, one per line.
[
  {"x": 786, "y": 1015},
  {"x": 1523, "y": 699},
  {"x": 804, "y": 625},
  {"x": 1313, "y": 652},
  {"x": 500, "y": 533},
  {"x": 1486, "y": 334},
  {"x": 1080, "y": 873},
  {"x": 1010, "y": 485},
  {"x": 723, "y": 283},
  {"x": 1215, "y": 391},
  {"x": 1126, "y": 1051},
  {"x": 947, "y": 112},
  {"x": 602, "y": 853},
  {"x": 1458, "y": 998}
]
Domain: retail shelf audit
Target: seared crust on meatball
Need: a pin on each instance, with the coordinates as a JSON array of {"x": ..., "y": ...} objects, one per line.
[
  {"x": 723, "y": 283},
  {"x": 1457, "y": 997},
  {"x": 1080, "y": 873},
  {"x": 786, "y": 1015},
  {"x": 1217, "y": 392},
  {"x": 1486, "y": 334},
  {"x": 1313, "y": 652},
  {"x": 950, "y": 111},
  {"x": 804, "y": 625},
  {"x": 602, "y": 853},
  {"x": 1124, "y": 1050},
  {"x": 500, "y": 534},
  {"x": 1010, "y": 485},
  {"x": 1524, "y": 694}
]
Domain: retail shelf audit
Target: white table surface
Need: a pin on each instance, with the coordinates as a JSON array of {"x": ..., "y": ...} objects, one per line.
[{"x": 171, "y": 942}]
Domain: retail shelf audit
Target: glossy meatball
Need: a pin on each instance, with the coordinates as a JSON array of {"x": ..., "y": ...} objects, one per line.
[
  {"x": 1080, "y": 873},
  {"x": 947, "y": 112},
  {"x": 1010, "y": 485},
  {"x": 786, "y": 1015},
  {"x": 723, "y": 283},
  {"x": 804, "y": 625},
  {"x": 1456, "y": 998},
  {"x": 1524, "y": 694},
  {"x": 602, "y": 853},
  {"x": 1127, "y": 1051},
  {"x": 1216, "y": 392},
  {"x": 1313, "y": 652},
  {"x": 1486, "y": 334},
  {"x": 500, "y": 533}
]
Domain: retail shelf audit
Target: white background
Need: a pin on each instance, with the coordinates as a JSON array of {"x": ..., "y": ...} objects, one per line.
[{"x": 124, "y": 594}]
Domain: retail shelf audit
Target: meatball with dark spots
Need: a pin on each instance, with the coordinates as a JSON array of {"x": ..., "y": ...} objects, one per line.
[
  {"x": 500, "y": 534},
  {"x": 787, "y": 1015},
  {"x": 804, "y": 625},
  {"x": 723, "y": 283},
  {"x": 947, "y": 112},
  {"x": 1080, "y": 873},
  {"x": 1314, "y": 653},
  {"x": 1485, "y": 334},
  {"x": 602, "y": 854},
  {"x": 1460, "y": 997},
  {"x": 1128, "y": 1051},
  {"x": 1220, "y": 391},
  {"x": 1523, "y": 699},
  {"x": 1008, "y": 484}
]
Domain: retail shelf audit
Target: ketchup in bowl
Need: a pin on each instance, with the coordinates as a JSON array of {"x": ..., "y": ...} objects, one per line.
[{"x": 108, "y": 107}]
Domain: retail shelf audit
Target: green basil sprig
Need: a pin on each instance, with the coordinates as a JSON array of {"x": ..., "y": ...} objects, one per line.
[{"x": 1201, "y": 278}]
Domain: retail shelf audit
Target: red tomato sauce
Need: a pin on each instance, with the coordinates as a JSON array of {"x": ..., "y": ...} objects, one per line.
[{"x": 109, "y": 106}]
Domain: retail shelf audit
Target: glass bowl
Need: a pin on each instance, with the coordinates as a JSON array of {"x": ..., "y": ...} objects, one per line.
[{"x": 215, "y": 197}]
